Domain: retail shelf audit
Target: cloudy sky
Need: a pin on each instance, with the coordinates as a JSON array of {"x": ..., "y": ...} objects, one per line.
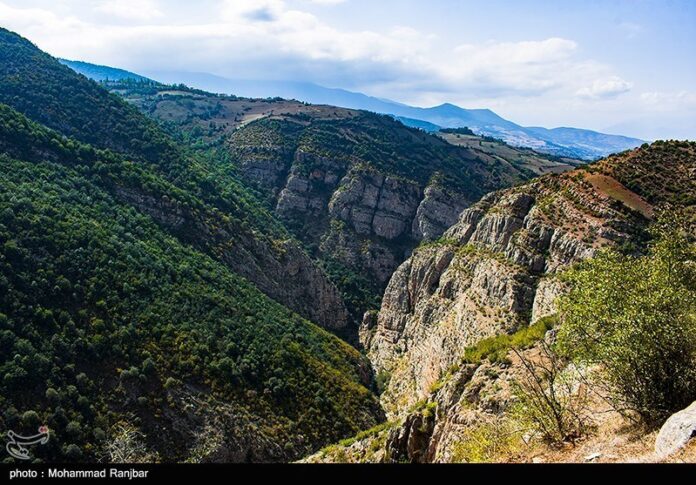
[{"x": 622, "y": 66}]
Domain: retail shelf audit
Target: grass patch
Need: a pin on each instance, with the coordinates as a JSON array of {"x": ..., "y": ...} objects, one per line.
[
  {"x": 369, "y": 433},
  {"x": 495, "y": 349},
  {"x": 487, "y": 443}
]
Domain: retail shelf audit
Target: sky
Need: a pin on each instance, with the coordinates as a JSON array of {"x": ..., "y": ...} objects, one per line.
[{"x": 618, "y": 66}]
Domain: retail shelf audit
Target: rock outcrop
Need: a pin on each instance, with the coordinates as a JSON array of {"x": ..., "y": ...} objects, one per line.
[
  {"x": 495, "y": 271},
  {"x": 677, "y": 432},
  {"x": 364, "y": 218},
  {"x": 366, "y": 195},
  {"x": 490, "y": 273}
]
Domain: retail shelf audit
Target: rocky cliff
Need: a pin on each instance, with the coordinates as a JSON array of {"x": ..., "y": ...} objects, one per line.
[
  {"x": 494, "y": 272},
  {"x": 362, "y": 190},
  {"x": 490, "y": 273}
]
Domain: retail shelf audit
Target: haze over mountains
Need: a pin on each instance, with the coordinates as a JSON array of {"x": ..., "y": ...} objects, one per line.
[{"x": 566, "y": 142}]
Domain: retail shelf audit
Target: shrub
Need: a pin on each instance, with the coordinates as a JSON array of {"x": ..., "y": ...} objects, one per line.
[
  {"x": 72, "y": 452},
  {"x": 73, "y": 428},
  {"x": 548, "y": 399},
  {"x": 382, "y": 381},
  {"x": 30, "y": 419},
  {"x": 52, "y": 395},
  {"x": 637, "y": 317},
  {"x": 487, "y": 442},
  {"x": 126, "y": 444}
]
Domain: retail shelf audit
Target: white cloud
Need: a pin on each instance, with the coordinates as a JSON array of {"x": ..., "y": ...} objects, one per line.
[
  {"x": 130, "y": 9},
  {"x": 270, "y": 39},
  {"x": 669, "y": 101},
  {"x": 252, "y": 10},
  {"x": 528, "y": 67},
  {"x": 327, "y": 2},
  {"x": 605, "y": 88}
]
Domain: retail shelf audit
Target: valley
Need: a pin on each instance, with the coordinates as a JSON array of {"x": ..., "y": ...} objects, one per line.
[
  {"x": 329, "y": 175},
  {"x": 196, "y": 277}
]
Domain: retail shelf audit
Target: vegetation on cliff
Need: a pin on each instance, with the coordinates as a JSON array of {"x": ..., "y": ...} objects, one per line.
[{"x": 636, "y": 317}]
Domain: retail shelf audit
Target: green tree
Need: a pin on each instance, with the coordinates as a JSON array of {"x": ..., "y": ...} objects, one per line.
[{"x": 637, "y": 317}]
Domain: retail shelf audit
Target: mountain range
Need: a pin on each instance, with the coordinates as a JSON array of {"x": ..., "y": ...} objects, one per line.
[
  {"x": 182, "y": 274},
  {"x": 194, "y": 276},
  {"x": 567, "y": 142}
]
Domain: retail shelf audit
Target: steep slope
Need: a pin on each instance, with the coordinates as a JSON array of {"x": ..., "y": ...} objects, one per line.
[
  {"x": 40, "y": 87},
  {"x": 105, "y": 313},
  {"x": 226, "y": 222},
  {"x": 359, "y": 189},
  {"x": 131, "y": 319},
  {"x": 493, "y": 273}
]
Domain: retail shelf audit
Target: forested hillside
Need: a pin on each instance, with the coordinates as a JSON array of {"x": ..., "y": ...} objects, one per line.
[
  {"x": 201, "y": 205},
  {"x": 132, "y": 319}
]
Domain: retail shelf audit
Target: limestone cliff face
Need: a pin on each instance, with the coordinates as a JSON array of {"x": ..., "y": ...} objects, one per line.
[
  {"x": 492, "y": 272},
  {"x": 368, "y": 220},
  {"x": 361, "y": 190}
]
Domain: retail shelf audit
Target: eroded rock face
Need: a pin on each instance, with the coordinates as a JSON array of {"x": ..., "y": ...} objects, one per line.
[
  {"x": 375, "y": 204},
  {"x": 308, "y": 186},
  {"x": 492, "y": 272},
  {"x": 438, "y": 210},
  {"x": 367, "y": 220},
  {"x": 547, "y": 292},
  {"x": 409, "y": 442}
]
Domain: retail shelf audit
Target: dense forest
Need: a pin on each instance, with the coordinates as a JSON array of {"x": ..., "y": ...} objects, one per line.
[{"x": 114, "y": 318}]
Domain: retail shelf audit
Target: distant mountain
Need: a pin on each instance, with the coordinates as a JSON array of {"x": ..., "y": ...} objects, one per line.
[
  {"x": 564, "y": 142},
  {"x": 102, "y": 73},
  {"x": 420, "y": 124}
]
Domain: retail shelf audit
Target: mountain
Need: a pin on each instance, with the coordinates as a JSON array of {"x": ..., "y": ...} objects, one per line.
[
  {"x": 360, "y": 190},
  {"x": 53, "y": 95},
  {"x": 164, "y": 247},
  {"x": 197, "y": 277},
  {"x": 150, "y": 307},
  {"x": 103, "y": 73},
  {"x": 442, "y": 342},
  {"x": 566, "y": 142},
  {"x": 420, "y": 124}
]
